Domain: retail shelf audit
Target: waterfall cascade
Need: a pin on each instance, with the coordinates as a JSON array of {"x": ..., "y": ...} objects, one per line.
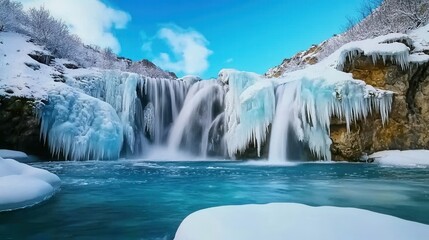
[
  {"x": 285, "y": 120},
  {"x": 198, "y": 123}
]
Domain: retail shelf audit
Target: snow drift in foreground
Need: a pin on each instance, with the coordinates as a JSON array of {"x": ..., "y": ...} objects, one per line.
[
  {"x": 402, "y": 158},
  {"x": 279, "y": 221},
  {"x": 23, "y": 186}
]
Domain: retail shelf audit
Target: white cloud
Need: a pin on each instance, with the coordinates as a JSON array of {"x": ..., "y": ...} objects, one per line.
[
  {"x": 92, "y": 20},
  {"x": 229, "y": 60},
  {"x": 189, "y": 49}
]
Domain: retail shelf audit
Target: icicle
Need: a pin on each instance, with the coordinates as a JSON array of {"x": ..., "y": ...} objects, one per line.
[
  {"x": 80, "y": 127},
  {"x": 250, "y": 106}
]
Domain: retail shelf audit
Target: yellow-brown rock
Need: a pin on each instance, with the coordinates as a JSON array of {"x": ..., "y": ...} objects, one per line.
[{"x": 408, "y": 125}]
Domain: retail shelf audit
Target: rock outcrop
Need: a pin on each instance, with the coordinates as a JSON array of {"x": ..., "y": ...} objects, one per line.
[
  {"x": 19, "y": 126},
  {"x": 408, "y": 123}
]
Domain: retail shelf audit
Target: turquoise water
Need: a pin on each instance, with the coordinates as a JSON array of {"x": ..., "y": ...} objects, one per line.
[{"x": 148, "y": 200}]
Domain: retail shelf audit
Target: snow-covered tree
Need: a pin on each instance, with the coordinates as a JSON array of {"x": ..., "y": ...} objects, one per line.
[
  {"x": 379, "y": 18},
  {"x": 12, "y": 16}
]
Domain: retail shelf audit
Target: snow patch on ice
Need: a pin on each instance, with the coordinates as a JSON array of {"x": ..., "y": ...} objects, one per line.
[
  {"x": 24, "y": 186},
  {"x": 295, "y": 221}
]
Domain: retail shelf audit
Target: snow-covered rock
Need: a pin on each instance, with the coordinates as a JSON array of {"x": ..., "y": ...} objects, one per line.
[
  {"x": 23, "y": 186},
  {"x": 402, "y": 158},
  {"x": 278, "y": 221}
]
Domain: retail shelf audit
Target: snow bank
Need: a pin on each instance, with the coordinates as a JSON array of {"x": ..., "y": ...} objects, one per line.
[
  {"x": 295, "y": 221},
  {"x": 19, "y": 156},
  {"x": 23, "y": 186},
  {"x": 80, "y": 126},
  {"x": 402, "y": 158}
]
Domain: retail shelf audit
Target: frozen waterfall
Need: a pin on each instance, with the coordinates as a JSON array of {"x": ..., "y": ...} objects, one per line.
[
  {"x": 129, "y": 114},
  {"x": 319, "y": 95}
]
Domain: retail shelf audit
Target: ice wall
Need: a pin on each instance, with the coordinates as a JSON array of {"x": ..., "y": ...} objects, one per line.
[
  {"x": 121, "y": 93},
  {"x": 249, "y": 109},
  {"x": 80, "y": 127}
]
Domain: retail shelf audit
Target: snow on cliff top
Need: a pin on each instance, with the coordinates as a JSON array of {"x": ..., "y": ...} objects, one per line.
[
  {"x": 23, "y": 186},
  {"x": 278, "y": 221}
]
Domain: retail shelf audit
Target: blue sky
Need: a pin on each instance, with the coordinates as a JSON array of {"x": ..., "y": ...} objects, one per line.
[{"x": 203, "y": 36}]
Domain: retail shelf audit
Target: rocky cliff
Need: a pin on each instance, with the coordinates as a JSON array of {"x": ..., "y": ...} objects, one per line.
[
  {"x": 19, "y": 126},
  {"x": 408, "y": 123}
]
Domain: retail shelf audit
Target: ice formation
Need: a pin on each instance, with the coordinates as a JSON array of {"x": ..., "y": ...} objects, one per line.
[
  {"x": 23, "y": 186},
  {"x": 278, "y": 221},
  {"x": 249, "y": 109},
  {"x": 320, "y": 94},
  {"x": 121, "y": 93},
  {"x": 79, "y": 126}
]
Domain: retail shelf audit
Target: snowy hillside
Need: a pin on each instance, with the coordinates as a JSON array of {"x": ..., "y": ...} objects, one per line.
[{"x": 393, "y": 16}]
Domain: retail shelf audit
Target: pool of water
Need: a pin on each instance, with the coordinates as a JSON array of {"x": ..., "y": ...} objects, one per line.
[{"x": 130, "y": 199}]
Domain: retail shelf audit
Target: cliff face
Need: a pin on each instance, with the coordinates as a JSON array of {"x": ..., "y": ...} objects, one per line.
[
  {"x": 19, "y": 126},
  {"x": 408, "y": 123}
]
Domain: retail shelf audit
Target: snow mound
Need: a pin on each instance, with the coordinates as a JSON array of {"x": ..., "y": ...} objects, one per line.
[
  {"x": 17, "y": 155},
  {"x": 23, "y": 186},
  {"x": 295, "y": 221},
  {"x": 80, "y": 126},
  {"x": 402, "y": 158}
]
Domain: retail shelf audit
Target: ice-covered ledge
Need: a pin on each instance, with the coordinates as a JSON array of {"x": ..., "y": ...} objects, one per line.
[
  {"x": 279, "y": 221},
  {"x": 23, "y": 186}
]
